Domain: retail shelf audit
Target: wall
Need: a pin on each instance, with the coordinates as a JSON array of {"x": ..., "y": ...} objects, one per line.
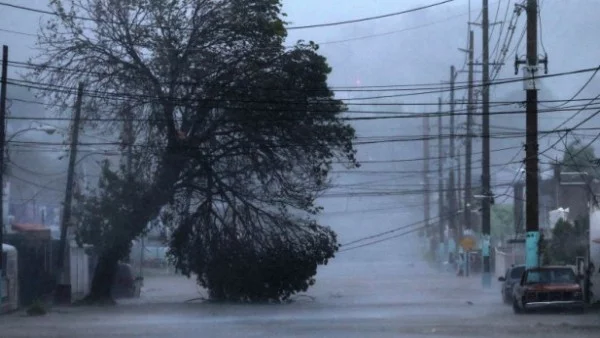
[
  {"x": 79, "y": 273},
  {"x": 506, "y": 257}
]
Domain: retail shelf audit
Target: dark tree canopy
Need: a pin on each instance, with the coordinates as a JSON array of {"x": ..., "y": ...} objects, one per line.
[
  {"x": 568, "y": 241},
  {"x": 234, "y": 133},
  {"x": 580, "y": 158}
]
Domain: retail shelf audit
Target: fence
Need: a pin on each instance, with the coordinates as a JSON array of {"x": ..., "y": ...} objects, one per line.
[
  {"x": 506, "y": 257},
  {"x": 35, "y": 266}
]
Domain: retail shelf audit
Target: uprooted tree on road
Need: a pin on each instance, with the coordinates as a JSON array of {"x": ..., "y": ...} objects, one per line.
[
  {"x": 259, "y": 185},
  {"x": 235, "y": 135}
]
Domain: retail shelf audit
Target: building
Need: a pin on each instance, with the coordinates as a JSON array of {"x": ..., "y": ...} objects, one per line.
[{"x": 566, "y": 190}]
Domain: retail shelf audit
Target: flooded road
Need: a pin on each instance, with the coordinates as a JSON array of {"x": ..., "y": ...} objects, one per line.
[{"x": 350, "y": 299}]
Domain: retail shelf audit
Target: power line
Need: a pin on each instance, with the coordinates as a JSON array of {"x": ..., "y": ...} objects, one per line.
[
  {"x": 115, "y": 95},
  {"x": 357, "y": 38},
  {"x": 377, "y": 104},
  {"x": 578, "y": 125},
  {"x": 389, "y": 232},
  {"x": 501, "y": 25},
  {"x": 371, "y": 18},
  {"x": 39, "y": 11},
  {"x": 338, "y": 23},
  {"x": 384, "y": 239},
  {"x": 576, "y": 93},
  {"x": 329, "y": 42},
  {"x": 434, "y": 87},
  {"x": 375, "y": 140},
  {"x": 378, "y": 116}
]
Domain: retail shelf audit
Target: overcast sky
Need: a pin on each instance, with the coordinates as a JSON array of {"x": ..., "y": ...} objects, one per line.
[{"x": 411, "y": 48}]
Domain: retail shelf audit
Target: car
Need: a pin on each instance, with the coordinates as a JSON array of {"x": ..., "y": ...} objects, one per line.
[
  {"x": 512, "y": 277},
  {"x": 548, "y": 287}
]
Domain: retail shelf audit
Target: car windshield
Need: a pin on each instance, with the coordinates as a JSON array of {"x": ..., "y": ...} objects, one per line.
[
  {"x": 516, "y": 273},
  {"x": 549, "y": 276}
]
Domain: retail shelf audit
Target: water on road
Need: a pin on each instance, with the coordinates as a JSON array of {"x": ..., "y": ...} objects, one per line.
[{"x": 391, "y": 298}]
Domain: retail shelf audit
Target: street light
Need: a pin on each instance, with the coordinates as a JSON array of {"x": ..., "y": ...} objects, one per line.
[
  {"x": 45, "y": 128},
  {"x": 42, "y": 127}
]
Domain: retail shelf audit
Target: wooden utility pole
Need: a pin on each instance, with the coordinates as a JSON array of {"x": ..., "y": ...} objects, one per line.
[
  {"x": 3, "y": 85},
  {"x": 129, "y": 141},
  {"x": 485, "y": 175},
  {"x": 426, "y": 187},
  {"x": 459, "y": 202},
  {"x": 518, "y": 208},
  {"x": 531, "y": 145},
  {"x": 469, "y": 137},
  {"x": 66, "y": 216},
  {"x": 451, "y": 181},
  {"x": 441, "y": 206}
]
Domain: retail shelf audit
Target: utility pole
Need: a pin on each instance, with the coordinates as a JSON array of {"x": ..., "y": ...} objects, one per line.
[
  {"x": 66, "y": 216},
  {"x": 3, "y": 85},
  {"x": 451, "y": 184},
  {"x": 459, "y": 203},
  {"x": 128, "y": 137},
  {"x": 426, "y": 187},
  {"x": 518, "y": 207},
  {"x": 469, "y": 138},
  {"x": 441, "y": 206},
  {"x": 460, "y": 223},
  {"x": 485, "y": 175},
  {"x": 531, "y": 146}
]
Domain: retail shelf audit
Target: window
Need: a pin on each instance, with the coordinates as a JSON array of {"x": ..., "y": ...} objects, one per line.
[
  {"x": 517, "y": 272},
  {"x": 549, "y": 276}
]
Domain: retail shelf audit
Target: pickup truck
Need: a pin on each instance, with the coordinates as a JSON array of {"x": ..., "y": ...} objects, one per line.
[{"x": 548, "y": 287}]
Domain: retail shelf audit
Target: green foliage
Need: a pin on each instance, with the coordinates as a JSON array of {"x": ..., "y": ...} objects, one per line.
[
  {"x": 105, "y": 219},
  {"x": 230, "y": 243},
  {"x": 502, "y": 221},
  {"x": 544, "y": 250},
  {"x": 237, "y": 269},
  {"x": 568, "y": 241},
  {"x": 109, "y": 220}
]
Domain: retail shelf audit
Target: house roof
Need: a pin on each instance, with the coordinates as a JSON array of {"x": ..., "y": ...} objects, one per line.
[{"x": 34, "y": 229}]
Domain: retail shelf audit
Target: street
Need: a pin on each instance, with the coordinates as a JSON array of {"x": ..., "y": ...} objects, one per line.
[{"x": 350, "y": 299}]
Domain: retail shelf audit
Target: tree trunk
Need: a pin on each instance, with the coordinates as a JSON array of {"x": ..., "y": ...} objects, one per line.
[{"x": 104, "y": 276}]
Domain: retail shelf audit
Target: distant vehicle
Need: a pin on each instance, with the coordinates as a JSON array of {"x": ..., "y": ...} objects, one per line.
[
  {"x": 509, "y": 280},
  {"x": 548, "y": 287}
]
